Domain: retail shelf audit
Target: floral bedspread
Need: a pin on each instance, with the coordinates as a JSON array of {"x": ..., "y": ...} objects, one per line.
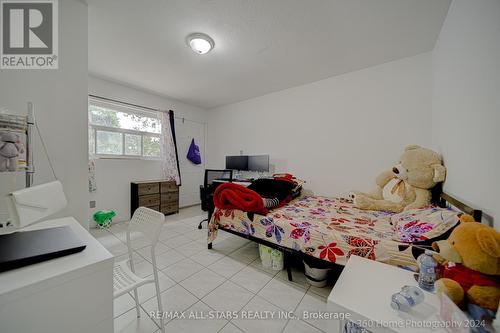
[{"x": 327, "y": 228}]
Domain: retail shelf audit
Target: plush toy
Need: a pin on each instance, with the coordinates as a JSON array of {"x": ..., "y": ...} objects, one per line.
[
  {"x": 471, "y": 269},
  {"x": 9, "y": 151},
  {"x": 103, "y": 219},
  {"x": 407, "y": 185}
]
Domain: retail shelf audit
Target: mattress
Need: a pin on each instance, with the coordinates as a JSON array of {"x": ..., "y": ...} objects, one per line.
[{"x": 330, "y": 229}]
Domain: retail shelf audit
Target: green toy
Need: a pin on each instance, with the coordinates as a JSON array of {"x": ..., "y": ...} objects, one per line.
[{"x": 103, "y": 219}]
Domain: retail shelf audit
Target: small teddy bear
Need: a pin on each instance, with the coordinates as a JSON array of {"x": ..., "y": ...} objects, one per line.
[
  {"x": 471, "y": 270},
  {"x": 10, "y": 146},
  {"x": 407, "y": 185}
]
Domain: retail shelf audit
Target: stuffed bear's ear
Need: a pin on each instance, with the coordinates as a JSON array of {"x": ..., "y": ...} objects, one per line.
[
  {"x": 487, "y": 242},
  {"x": 412, "y": 147},
  {"x": 439, "y": 173}
]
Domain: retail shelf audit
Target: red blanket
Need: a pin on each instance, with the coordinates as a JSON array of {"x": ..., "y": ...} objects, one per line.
[{"x": 234, "y": 196}]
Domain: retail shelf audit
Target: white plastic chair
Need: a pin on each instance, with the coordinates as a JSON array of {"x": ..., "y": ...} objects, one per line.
[{"x": 149, "y": 223}]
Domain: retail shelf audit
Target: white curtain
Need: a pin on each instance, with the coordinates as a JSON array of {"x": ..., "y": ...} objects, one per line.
[{"x": 168, "y": 150}]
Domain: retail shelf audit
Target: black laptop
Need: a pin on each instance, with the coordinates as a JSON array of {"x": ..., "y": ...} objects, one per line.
[{"x": 23, "y": 248}]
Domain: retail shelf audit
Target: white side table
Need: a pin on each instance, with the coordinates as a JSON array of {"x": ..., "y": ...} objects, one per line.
[
  {"x": 70, "y": 294},
  {"x": 363, "y": 291}
]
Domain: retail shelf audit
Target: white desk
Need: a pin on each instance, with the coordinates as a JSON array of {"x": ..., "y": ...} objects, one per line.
[
  {"x": 68, "y": 294},
  {"x": 364, "y": 290},
  {"x": 242, "y": 183}
]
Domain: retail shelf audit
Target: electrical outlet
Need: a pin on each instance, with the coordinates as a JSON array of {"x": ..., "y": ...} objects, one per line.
[{"x": 92, "y": 204}]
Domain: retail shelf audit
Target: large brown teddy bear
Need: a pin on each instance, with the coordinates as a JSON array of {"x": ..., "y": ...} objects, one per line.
[
  {"x": 472, "y": 270},
  {"x": 407, "y": 185}
]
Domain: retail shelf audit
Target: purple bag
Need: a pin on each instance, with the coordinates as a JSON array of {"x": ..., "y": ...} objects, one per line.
[{"x": 194, "y": 153}]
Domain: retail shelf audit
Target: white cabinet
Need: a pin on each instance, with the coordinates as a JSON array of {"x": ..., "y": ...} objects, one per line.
[
  {"x": 363, "y": 293},
  {"x": 68, "y": 294}
]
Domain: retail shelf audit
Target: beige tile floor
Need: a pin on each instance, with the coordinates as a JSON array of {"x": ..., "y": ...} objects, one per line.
[{"x": 199, "y": 281}]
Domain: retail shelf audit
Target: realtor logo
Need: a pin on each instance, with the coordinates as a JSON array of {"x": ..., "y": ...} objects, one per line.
[{"x": 29, "y": 34}]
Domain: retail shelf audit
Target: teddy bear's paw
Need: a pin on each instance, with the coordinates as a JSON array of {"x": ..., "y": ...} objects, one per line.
[
  {"x": 487, "y": 297},
  {"x": 450, "y": 288},
  {"x": 355, "y": 194},
  {"x": 362, "y": 201}
]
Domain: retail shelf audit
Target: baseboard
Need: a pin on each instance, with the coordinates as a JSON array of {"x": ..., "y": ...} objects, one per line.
[
  {"x": 188, "y": 206},
  {"x": 120, "y": 219}
]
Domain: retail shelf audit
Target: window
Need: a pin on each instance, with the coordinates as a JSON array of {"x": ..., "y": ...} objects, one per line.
[{"x": 117, "y": 130}]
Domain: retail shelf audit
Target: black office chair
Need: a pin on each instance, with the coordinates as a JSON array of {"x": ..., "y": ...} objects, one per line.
[{"x": 208, "y": 188}]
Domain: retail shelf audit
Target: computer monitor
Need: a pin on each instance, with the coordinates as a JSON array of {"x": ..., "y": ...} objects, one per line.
[
  {"x": 211, "y": 175},
  {"x": 259, "y": 163},
  {"x": 239, "y": 163}
]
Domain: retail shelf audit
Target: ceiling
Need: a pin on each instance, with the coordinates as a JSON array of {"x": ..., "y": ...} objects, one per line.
[{"x": 261, "y": 45}]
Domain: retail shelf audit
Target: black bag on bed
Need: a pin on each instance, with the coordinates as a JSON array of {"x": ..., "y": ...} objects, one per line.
[{"x": 272, "y": 188}]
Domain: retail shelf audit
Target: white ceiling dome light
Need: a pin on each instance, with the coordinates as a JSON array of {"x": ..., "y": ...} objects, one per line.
[{"x": 200, "y": 43}]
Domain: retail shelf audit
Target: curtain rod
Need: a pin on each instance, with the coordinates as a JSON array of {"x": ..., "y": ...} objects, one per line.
[{"x": 142, "y": 107}]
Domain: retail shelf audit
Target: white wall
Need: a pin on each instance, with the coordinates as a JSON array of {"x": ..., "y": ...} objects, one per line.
[
  {"x": 113, "y": 176},
  {"x": 60, "y": 99},
  {"x": 466, "y": 102},
  {"x": 338, "y": 133}
]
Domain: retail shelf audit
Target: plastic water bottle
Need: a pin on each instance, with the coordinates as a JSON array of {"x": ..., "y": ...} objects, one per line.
[
  {"x": 407, "y": 298},
  {"x": 427, "y": 275}
]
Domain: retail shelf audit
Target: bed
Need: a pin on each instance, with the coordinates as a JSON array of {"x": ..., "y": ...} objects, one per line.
[{"x": 332, "y": 229}]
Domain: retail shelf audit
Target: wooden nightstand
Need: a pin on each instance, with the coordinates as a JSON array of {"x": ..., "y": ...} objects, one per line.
[
  {"x": 364, "y": 291},
  {"x": 160, "y": 195}
]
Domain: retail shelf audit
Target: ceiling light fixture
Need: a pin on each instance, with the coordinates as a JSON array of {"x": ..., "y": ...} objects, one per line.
[{"x": 200, "y": 43}]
